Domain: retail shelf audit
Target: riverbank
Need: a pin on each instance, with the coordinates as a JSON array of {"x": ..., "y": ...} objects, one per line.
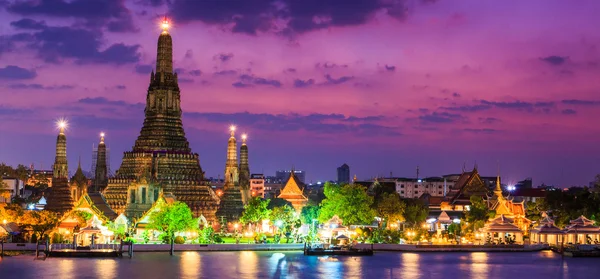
[{"x": 300, "y": 247}]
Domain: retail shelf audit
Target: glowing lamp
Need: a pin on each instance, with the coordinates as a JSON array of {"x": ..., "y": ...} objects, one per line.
[
  {"x": 165, "y": 24},
  {"x": 244, "y": 136},
  {"x": 232, "y": 128},
  {"x": 101, "y": 134}
]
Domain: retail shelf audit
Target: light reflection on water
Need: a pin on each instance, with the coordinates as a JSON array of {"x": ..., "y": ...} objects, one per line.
[
  {"x": 479, "y": 266},
  {"x": 190, "y": 264},
  {"x": 249, "y": 264}
]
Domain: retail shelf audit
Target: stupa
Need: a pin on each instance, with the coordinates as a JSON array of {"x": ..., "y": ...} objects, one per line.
[
  {"x": 59, "y": 198},
  {"x": 231, "y": 206},
  {"x": 161, "y": 159}
]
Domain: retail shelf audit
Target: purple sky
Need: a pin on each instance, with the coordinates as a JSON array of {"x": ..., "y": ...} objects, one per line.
[{"x": 384, "y": 86}]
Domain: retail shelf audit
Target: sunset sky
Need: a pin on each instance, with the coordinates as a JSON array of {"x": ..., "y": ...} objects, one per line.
[{"x": 382, "y": 85}]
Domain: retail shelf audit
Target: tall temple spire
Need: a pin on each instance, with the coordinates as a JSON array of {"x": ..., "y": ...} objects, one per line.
[
  {"x": 232, "y": 204},
  {"x": 164, "y": 56},
  {"x": 61, "y": 168},
  {"x": 161, "y": 160},
  {"x": 244, "y": 171},
  {"x": 231, "y": 166},
  {"x": 59, "y": 198},
  {"x": 101, "y": 171},
  {"x": 498, "y": 188}
]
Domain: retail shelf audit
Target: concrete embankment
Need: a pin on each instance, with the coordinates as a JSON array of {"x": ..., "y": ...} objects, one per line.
[
  {"x": 178, "y": 247},
  {"x": 451, "y": 248},
  {"x": 300, "y": 246}
]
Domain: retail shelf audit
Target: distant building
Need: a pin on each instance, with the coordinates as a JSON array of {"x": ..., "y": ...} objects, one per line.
[
  {"x": 343, "y": 174},
  {"x": 283, "y": 175},
  {"x": 40, "y": 177},
  {"x": 11, "y": 188},
  {"x": 273, "y": 180},
  {"x": 257, "y": 185},
  {"x": 293, "y": 192},
  {"x": 413, "y": 188},
  {"x": 524, "y": 184}
]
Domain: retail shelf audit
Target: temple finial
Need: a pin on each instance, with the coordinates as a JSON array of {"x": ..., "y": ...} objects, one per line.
[
  {"x": 101, "y": 137},
  {"x": 244, "y": 137},
  {"x": 232, "y": 130}
]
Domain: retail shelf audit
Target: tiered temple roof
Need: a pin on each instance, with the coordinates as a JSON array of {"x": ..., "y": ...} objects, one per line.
[
  {"x": 501, "y": 224},
  {"x": 232, "y": 205},
  {"x": 244, "y": 172},
  {"x": 546, "y": 226},
  {"x": 582, "y": 225},
  {"x": 78, "y": 183},
  {"x": 161, "y": 159},
  {"x": 293, "y": 193},
  {"x": 505, "y": 206},
  {"x": 60, "y": 199}
]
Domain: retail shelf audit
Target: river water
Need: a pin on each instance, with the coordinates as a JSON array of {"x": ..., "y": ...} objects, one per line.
[{"x": 247, "y": 264}]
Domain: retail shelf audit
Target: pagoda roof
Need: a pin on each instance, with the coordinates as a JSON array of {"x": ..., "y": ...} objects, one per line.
[
  {"x": 97, "y": 204},
  {"x": 467, "y": 184},
  {"x": 444, "y": 217},
  {"x": 582, "y": 221},
  {"x": 547, "y": 228},
  {"x": 501, "y": 224},
  {"x": 292, "y": 190},
  {"x": 163, "y": 200},
  {"x": 579, "y": 229}
]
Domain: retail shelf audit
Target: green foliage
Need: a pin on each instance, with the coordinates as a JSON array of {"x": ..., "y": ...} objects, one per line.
[
  {"x": 564, "y": 206},
  {"x": 56, "y": 238},
  {"x": 415, "y": 214},
  {"x": 535, "y": 209},
  {"x": 179, "y": 239},
  {"x": 40, "y": 222},
  {"x": 255, "y": 211},
  {"x": 350, "y": 202},
  {"x": 455, "y": 231},
  {"x": 288, "y": 218},
  {"x": 176, "y": 217},
  {"x": 277, "y": 202},
  {"x": 146, "y": 236},
  {"x": 207, "y": 235},
  {"x": 119, "y": 230},
  {"x": 390, "y": 208},
  {"x": 310, "y": 213},
  {"x": 478, "y": 214}
]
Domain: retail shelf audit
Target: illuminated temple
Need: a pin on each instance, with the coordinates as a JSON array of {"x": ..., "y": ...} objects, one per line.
[
  {"x": 231, "y": 206},
  {"x": 161, "y": 159},
  {"x": 59, "y": 198}
]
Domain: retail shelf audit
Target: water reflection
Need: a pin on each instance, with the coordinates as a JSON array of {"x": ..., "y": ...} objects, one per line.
[
  {"x": 65, "y": 268},
  {"x": 410, "y": 265},
  {"x": 330, "y": 267},
  {"x": 106, "y": 268},
  {"x": 190, "y": 264},
  {"x": 353, "y": 267},
  {"x": 248, "y": 262},
  {"x": 479, "y": 265}
]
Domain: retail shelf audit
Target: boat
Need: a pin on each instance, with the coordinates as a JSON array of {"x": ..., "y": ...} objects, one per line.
[
  {"x": 321, "y": 250},
  {"x": 582, "y": 251}
]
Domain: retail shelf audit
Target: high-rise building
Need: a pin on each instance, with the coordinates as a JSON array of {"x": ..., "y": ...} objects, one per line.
[
  {"x": 161, "y": 159},
  {"x": 231, "y": 206},
  {"x": 283, "y": 175},
  {"x": 343, "y": 174},
  {"x": 60, "y": 199}
]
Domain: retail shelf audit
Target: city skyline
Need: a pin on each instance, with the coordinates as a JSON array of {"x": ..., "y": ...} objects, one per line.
[{"x": 336, "y": 102}]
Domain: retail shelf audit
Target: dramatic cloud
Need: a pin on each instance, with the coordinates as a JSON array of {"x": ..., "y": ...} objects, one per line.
[
  {"x": 95, "y": 13},
  {"x": 481, "y": 131},
  {"x": 28, "y": 23},
  {"x": 248, "y": 80},
  {"x": 440, "y": 117},
  {"x": 287, "y": 17},
  {"x": 581, "y": 102},
  {"x": 334, "y": 81},
  {"x": 568, "y": 111},
  {"x": 554, "y": 60},
  {"x": 143, "y": 69},
  {"x": 298, "y": 83},
  {"x": 105, "y": 101},
  {"x": 225, "y": 73},
  {"x": 223, "y": 57},
  {"x": 329, "y": 65},
  {"x": 38, "y": 86},
  {"x": 318, "y": 123},
  {"x": 390, "y": 68},
  {"x": 16, "y": 72}
]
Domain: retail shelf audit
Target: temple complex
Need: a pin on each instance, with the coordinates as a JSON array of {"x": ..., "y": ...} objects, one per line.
[
  {"x": 161, "y": 159},
  {"x": 244, "y": 171},
  {"x": 582, "y": 231},
  {"x": 78, "y": 183},
  {"x": 546, "y": 232},
  {"x": 293, "y": 193},
  {"x": 231, "y": 206},
  {"x": 101, "y": 172},
  {"x": 60, "y": 199},
  {"x": 502, "y": 230},
  {"x": 505, "y": 206}
]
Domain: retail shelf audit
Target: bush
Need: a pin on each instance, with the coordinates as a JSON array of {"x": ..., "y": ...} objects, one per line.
[
  {"x": 56, "y": 238},
  {"x": 179, "y": 240}
]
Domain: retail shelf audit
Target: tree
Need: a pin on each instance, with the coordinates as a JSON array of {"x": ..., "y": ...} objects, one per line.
[
  {"x": 284, "y": 217},
  {"x": 175, "y": 217},
  {"x": 350, "y": 202},
  {"x": 39, "y": 222},
  {"x": 390, "y": 208},
  {"x": 255, "y": 211},
  {"x": 535, "y": 209},
  {"x": 277, "y": 202},
  {"x": 477, "y": 214},
  {"x": 309, "y": 213},
  {"x": 415, "y": 214}
]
